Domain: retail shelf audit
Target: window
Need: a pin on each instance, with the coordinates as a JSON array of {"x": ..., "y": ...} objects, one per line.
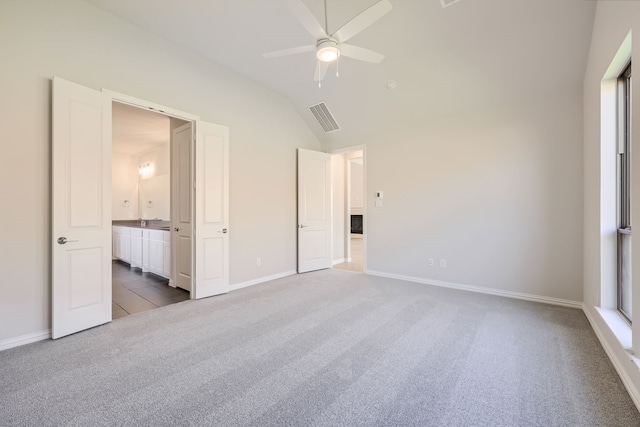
[{"x": 624, "y": 193}]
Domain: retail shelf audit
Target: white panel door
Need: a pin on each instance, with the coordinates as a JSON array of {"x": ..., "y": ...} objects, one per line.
[
  {"x": 81, "y": 208},
  {"x": 314, "y": 210},
  {"x": 211, "y": 210},
  {"x": 181, "y": 199}
]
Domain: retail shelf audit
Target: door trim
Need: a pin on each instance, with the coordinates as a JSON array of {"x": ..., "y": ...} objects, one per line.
[{"x": 142, "y": 103}]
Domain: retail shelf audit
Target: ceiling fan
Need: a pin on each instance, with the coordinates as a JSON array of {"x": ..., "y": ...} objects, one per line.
[{"x": 329, "y": 47}]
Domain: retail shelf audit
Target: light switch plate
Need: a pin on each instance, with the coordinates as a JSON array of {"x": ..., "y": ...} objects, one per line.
[{"x": 378, "y": 203}]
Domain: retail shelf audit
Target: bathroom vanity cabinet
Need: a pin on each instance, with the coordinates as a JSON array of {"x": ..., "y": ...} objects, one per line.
[{"x": 144, "y": 248}]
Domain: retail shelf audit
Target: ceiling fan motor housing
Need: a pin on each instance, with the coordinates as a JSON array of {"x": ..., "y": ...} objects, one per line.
[{"x": 327, "y": 50}]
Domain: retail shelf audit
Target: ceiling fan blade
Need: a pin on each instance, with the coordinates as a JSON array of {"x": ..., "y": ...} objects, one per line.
[
  {"x": 362, "y": 21},
  {"x": 291, "y": 51},
  {"x": 307, "y": 19},
  {"x": 321, "y": 71},
  {"x": 360, "y": 53}
]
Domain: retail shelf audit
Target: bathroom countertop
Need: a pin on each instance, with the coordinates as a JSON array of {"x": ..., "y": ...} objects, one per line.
[{"x": 152, "y": 224}]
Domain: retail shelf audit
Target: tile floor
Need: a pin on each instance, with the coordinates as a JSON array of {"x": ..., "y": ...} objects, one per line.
[
  {"x": 135, "y": 291},
  {"x": 357, "y": 257}
]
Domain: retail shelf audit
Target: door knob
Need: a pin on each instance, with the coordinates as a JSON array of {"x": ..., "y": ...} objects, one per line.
[
  {"x": 63, "y": 240},
  {"x": 303, "y": 226},
  {"x": 177, "y": 229},
  {"x": 224, "y": 231}
]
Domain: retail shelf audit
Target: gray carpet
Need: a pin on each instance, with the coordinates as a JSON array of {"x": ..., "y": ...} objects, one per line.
[{"x": 329, "y": 348}]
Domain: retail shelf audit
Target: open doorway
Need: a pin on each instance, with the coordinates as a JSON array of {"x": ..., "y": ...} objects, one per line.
[
  {"x": 143, "y": 276},
  {"x": 81, "y": 218},
  {"x": 348, "y": 182}
]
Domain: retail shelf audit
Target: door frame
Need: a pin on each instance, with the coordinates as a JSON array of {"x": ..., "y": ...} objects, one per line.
[
  {"x": 347, "y": 213},
  {"x": 171, "y": 112}
]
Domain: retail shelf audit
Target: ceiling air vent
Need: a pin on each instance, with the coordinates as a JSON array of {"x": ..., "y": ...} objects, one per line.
[
  {"x": 447, "y": 3},
  {"x": 324, "y": 117}
]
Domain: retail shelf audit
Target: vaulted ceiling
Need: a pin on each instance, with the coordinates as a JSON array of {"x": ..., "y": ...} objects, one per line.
[{"x": 473, "y": 54}]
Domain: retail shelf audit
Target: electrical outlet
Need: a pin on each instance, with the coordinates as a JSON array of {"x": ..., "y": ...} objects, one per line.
[
  {"x": 430, "y": 262},
  {"x": 258, "y": 261},
  {"x": 443, "y": 263}
]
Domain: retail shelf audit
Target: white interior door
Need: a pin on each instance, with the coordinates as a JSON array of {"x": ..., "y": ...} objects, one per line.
[
  {"x": 81, "y": 208},
  {"x": 314, "y": 210},
  {"x": 211, "y": 210},
  {"x": 181, "y": 202}
]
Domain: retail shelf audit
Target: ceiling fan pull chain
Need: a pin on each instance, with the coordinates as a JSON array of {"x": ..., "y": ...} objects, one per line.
[{"x": 338, "y": 67}]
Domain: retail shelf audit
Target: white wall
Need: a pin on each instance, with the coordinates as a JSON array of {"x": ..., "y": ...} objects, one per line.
[
  {"x": 496, "y": 192},
  {"x": 613, "y": 21},
  {"x": 40, "y": 39}
]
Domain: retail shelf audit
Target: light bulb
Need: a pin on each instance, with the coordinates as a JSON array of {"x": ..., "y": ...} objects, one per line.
[
  {"x": 327, "y": 50},
  {"x": 328, "y": 54}
]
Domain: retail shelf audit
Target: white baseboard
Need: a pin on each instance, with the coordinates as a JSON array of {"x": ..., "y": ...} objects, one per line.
[
  {"x": 248, "y": 283},
  {"x": 25, "y": 339},
  {"x": 479, "y": 289},
  {"x": 618, "y": 363},
  {"x": 339, "y": 261}
]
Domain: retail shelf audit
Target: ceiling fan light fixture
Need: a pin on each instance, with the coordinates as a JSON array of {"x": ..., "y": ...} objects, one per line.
[{"x": 328, "y": 51}]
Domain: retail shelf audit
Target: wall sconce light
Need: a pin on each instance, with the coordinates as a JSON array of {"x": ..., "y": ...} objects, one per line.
[{"x": 145, "y": 169}]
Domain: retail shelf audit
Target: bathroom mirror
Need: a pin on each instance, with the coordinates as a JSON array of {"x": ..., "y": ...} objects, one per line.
[
  {"x": 154, "y": 198},
  {"x": 141, "y": 164}
]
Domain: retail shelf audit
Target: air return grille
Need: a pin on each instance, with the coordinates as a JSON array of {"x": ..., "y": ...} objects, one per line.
[
  {"x": 446, "y": 3},
  {"x": 324, "y": 117}
]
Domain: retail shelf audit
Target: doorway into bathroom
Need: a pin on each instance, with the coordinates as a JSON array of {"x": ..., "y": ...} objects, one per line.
[{"x": 141, "y": 210}]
